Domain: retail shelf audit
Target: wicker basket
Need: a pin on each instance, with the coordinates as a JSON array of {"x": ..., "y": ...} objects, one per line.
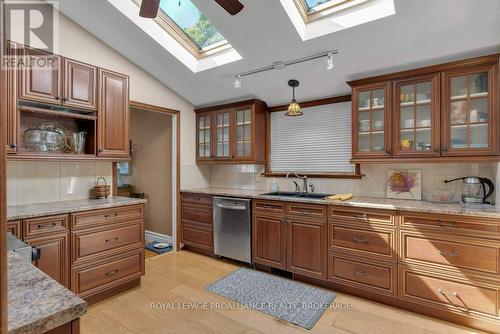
[{"x": 101, "y": 191}]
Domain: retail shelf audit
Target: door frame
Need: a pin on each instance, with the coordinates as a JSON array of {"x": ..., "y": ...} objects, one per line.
[{"x": 176, "y": 157}]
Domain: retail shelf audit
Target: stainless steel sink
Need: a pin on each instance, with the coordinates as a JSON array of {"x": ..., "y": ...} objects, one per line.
[{"x": 296, "y": 195}]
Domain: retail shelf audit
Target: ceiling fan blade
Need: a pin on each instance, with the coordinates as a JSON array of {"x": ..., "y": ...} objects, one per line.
[
  {"x": 233, "y": 7},
  {"x": 149, "y": 8}
]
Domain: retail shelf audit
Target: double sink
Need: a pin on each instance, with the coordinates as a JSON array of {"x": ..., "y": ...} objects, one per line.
[{"x": 297, "y": 195}]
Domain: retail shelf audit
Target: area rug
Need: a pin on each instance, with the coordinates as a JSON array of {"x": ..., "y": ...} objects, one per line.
[
  {"x": 292, "y": 301},
  {"x": 150, "y": 246}
]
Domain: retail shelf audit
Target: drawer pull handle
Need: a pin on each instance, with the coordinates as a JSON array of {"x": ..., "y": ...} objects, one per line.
[
  {"x": 360, "y": 216},
  {"x": 112, "y": 272},
  {"x": 360, "y": 273},
  {"x": 444, "y": 224},
  {"x": 111, "y": 240},
  {"x": 111, "y": 215},
  {"x": 359, "y": 240},
  {"x": 448, "y": 293},
  {"x": 269, "y": 207},
  {"x": 452, "y": 254},
  {"x": 47, "y": 225},
  {"x": 284, "y": 221}
]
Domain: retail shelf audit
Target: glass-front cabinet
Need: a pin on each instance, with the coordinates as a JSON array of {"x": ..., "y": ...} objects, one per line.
[
  {"x": 471, "y": 112},
  {"x": 232, "y": 133},
  {"x": 416, "y": 116},
  {"x": 204, "y": 135},
  {"x": 371, "y": 120},
  {"x": 222, "y": 129}
]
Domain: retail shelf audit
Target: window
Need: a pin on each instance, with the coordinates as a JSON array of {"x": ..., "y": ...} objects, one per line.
[
  {"x": 319, "y": 142},
  {"x": 313, "y": 5},
  {"x": 192, "y": 23}
]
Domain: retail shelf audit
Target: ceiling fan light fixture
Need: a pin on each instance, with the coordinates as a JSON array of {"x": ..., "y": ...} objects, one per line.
[{"x": 293, "y": 107}]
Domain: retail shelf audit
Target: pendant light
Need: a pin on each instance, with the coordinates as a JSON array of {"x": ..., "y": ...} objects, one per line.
[{"x": 293, "y": 107}]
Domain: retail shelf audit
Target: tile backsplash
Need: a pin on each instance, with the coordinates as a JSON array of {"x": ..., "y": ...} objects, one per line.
[
  {"x": 31, "y": 182},
  {"x": 372, "y": 184}
]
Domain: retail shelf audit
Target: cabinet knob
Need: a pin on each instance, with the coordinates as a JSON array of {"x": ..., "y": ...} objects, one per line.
[
  {"x": 436, "y": 149},
  {"x": 13, "y": 146},
  {"x": 388, "y": 151},
  {"x": 57, "y": 98},
  {"x": 100, "y": 150},
  {"x": 444, "y": 148}
]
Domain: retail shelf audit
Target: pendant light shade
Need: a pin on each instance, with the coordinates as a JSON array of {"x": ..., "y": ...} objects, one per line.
[{"x": 293, "y": 107}]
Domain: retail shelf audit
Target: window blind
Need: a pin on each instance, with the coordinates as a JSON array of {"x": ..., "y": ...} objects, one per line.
[{"x": 317, "y": 142}]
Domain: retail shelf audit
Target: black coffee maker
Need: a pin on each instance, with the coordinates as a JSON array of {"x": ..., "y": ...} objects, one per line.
[{"x": 474, "y": 189}]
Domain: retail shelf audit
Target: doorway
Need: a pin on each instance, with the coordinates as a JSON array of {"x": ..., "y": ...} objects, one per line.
[{"x": 152, "y": 172}]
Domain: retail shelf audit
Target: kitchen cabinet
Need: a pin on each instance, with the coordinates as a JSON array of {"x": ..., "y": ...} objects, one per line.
[
  {"x": 15, "y": 228},
  {"x": 416, "y": 116},
  {"x": 80, "y": 85},
  {"x": 12, "y": 111},
  {"x": 470, "y": 111},
  {"x": 269, "y": 240},
  {"x": 371, "y": 117},
  {"x": 231, "y": 133},
  {"x": 196, "y": 222},
  {"x": 113, "y": 116},
  {"x": 40, "y": 80},
  {"x": 441, "y": 113}
]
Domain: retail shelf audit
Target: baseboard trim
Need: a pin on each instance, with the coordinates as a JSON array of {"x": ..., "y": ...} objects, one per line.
[{"x": 154, "y": 236}]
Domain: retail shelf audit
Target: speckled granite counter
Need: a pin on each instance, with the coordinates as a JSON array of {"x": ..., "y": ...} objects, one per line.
[
  {"x": 54, "y": 208},
  {"x": 37, "y": 303},
  {"x": 487, "y": 211}
]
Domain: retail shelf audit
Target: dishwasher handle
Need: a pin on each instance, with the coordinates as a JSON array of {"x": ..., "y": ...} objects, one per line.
[{"x": 231, "y": 207}]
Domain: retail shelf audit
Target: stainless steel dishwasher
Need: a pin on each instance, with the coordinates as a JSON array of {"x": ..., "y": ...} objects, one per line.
[{"x": 233, "y": 228}]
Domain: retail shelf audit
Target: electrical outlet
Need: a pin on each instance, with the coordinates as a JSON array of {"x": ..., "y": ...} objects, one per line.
[{"x": 441, "y": 185}]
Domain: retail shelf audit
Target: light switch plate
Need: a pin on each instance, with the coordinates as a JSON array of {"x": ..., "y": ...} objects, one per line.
[{"x": 441, "y": 185}]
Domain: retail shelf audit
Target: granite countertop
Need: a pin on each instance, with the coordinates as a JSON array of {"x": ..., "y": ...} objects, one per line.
[
  {"x": 53, "y": 208},
  {"x": 37, "y": 303},
  {"x": 486, "y": 211}
]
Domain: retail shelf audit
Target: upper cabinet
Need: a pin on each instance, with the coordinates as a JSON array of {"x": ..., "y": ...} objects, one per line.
[
  {"x": 82, "y": 110},
  {"x": 113, "y": 115},
  {"x": 231, "y": 133},
  {"x": 447, "y": 111}
]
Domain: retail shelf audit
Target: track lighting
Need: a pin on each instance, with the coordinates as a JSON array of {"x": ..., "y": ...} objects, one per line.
[
  {"x": 329, "y": 61},
  {"x": 237, "y": 81}
]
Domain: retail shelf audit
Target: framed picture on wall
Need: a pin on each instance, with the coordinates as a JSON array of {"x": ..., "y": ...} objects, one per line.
[{"x": 404, "y": 184}]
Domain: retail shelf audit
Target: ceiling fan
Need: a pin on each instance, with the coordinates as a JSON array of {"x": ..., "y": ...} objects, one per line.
[{"x": 149, "y": 8}]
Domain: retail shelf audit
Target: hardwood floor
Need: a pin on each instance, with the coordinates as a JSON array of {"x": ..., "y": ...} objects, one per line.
[{"x": 179, "y": 278}]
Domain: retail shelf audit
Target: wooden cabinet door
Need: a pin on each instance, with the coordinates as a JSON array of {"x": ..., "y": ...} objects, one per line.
[
  {"x": 80, "y": 85},
  {"x": 204, "y": 135},
  {"x": 371, "y": 121},
  {"x": 307, "y": 247},
  {"x": 416, "y": 121},
  {"x": 113, "y": 115},
  {"x": 40, "y": 78},
  {"x": 223, "y": 141},
  {"x": 243, "y": 137},
  {"x": 15, "y": 228},
  {"x": 54, "y": 255},
  {"x": 470, "y": 111},
  {"x": 12, "y": 111},
  {"x": 269, "y": 240}
]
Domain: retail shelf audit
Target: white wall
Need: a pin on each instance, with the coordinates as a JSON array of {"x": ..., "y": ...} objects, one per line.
[{"x": 77, "y": 43}]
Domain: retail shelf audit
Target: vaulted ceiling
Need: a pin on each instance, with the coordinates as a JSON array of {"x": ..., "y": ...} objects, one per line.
[{"x": 422, "y": 32}]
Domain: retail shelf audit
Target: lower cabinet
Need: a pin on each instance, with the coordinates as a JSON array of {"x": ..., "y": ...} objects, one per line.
[
  {"x": 269, "y": 240},
  {"x": 196, "y": 226},
  {"x": 15, "y": 228},
  {"x": 294, "y": 240}
]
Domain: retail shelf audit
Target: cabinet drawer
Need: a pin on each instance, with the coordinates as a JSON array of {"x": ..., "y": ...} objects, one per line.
[
  {"x": 197, "y": 213},
  {"x": 90, "y": 279},
  {"x": 371, "y": 242},
  {"x": 98, "y": 217},
  {"x": 15, "y": 227},
  {"x": 446, "y": 293},
  {"x": 197, "y": 199},
  {"x": 306, "y": 210},
  {"x": 91, "y": 244},
  {"x": 379, "y": 278},
  {"x": 452, "y": 224},
  {"x": 362, "y": 216},
  {"x": 451, "y": 251},
  {"x": 269, "y": 206},
  {"x": 196, "y": 236},
  {"x": 44, "y": 225}
]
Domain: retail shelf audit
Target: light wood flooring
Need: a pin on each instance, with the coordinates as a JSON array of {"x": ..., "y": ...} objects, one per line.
[{"x": 179, "y": 278}]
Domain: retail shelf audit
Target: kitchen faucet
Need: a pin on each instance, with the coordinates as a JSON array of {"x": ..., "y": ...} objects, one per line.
[{"x": 304, "y": 180}]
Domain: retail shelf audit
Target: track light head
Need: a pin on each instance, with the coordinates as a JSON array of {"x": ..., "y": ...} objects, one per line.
[
  {"x": 237, "y": 81},
  {"x": 329, "y": 61}
]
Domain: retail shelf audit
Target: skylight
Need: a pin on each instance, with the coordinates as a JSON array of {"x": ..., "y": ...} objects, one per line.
[
  {"x": 313, "y": 4},
  {"x": 193, "y": 23}
]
